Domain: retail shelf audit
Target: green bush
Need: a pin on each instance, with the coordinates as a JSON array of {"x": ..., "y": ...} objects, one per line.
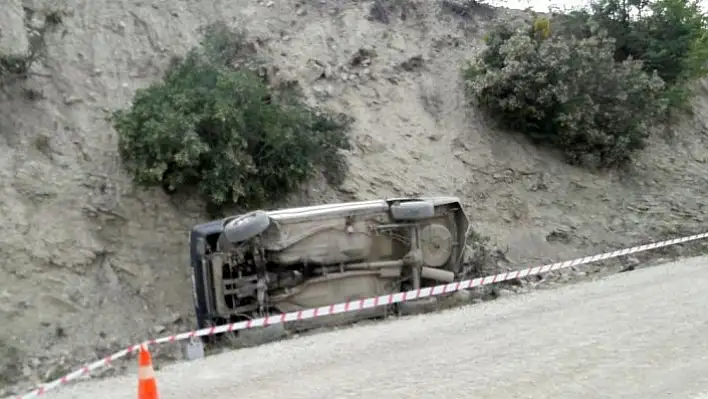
[
  {"x": 566, "y": 91},
  {"x": 669, "y": 36},
  {"x": 213, "y": 123}
]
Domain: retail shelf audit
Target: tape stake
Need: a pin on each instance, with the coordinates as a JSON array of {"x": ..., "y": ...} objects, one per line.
[{"x": 359, "y": 304}]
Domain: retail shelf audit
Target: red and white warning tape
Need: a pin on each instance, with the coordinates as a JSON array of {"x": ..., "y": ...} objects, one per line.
[{"x": 360, "y": 304}]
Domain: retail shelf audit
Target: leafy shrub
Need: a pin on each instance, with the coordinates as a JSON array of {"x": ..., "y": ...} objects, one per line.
[
  {"x": 669, "y": 36},
  {"x": 214, "y": 124},
  {"x": 566, "y": 91}
]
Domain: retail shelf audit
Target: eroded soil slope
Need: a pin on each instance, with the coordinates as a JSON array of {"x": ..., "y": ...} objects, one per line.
[{"x": 90, "y": 263}]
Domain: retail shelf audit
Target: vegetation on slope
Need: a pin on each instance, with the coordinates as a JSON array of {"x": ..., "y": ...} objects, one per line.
[
  {"x": 215, "y": 124},
  {"x": 593, "y": 82}
]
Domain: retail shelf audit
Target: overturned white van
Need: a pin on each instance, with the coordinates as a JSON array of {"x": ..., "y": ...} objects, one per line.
[{"x": 266, "y": 262}]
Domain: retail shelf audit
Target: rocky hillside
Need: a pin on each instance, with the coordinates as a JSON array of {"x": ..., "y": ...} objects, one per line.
[{"x": 91, "y": 263}]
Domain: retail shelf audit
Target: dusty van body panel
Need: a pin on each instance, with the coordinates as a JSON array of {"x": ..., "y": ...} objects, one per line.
[{"x": 266, "y": 262}]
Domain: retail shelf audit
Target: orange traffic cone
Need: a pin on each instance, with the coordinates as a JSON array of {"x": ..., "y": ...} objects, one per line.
[{"x": 147, "y": 384}]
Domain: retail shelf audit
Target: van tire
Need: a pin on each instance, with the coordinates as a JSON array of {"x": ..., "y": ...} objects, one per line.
[
  {"x": 245, "y": 227},
  {"x": 413, "y": 210}
]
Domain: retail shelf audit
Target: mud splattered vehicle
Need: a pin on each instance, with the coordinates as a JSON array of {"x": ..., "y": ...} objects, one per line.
[{"x": 266, "y": 262}]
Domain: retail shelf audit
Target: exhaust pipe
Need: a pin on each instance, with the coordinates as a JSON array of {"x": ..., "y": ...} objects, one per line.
[
  {"x": 390, "y": 268},
  {"x": 437, "y": 274},
  {"x": 374, "y": 265}
]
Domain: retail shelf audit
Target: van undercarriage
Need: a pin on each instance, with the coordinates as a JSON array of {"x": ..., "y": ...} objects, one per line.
[{"x": 267, "y": 262}]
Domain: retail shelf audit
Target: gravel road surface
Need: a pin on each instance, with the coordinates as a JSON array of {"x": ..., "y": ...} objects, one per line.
[{"x": 642, "y": 334}]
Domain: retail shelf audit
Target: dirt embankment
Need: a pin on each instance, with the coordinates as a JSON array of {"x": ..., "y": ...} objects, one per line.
[{"x": 91, "y": 263}]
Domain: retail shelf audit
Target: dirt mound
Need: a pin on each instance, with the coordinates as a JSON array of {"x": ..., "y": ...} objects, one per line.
[{"x": 90, "y": 263}]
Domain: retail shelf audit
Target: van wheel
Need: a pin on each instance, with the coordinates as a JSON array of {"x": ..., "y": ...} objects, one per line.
[
  {"x": 412, "y": 210},
  {"x": 247, "y": 226}
]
